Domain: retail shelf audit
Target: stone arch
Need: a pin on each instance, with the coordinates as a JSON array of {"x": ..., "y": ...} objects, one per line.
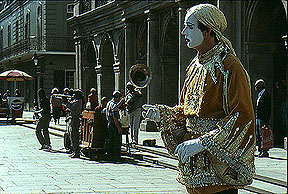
[
  {"x": 141, "y": 45},
  {"x": 121, "y": 57},
  {"x": 107, "y": 61},
  {"x": 169, "y": 59},
  {"x": 89, "y": 78}
]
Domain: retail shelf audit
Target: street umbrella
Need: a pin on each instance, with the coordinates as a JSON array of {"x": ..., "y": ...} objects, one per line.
[{"x": 15, "y": 75}]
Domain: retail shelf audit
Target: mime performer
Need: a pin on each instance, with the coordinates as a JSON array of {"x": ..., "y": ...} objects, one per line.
[{"x": 212, "y": 129}]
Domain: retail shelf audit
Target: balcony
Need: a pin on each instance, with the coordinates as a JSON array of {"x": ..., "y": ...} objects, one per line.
[{"x": 37, "y": 44}]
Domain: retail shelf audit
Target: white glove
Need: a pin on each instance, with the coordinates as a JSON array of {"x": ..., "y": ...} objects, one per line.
[
  {"x": 188, "y": 148},
  {"x": 151, "y": 112}
]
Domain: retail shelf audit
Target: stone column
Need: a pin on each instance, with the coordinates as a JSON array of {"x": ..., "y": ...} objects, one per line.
[
  {"x": 153, "y": 61},
  {"x": 130, "y": 48},
  {"x": 114, "y": 37},
  {"x": 97, "y": 43},
  {"x": 78, "y": 64},
  {"x": 116, "y": 70},
  {"x": 98, "y": 70},
  {"x": 185, "y": 54}
]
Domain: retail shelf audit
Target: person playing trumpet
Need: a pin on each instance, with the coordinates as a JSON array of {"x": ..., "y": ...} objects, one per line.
[
  {"x": 212, "y": 129},
  {"x": 75, "y": 107}
]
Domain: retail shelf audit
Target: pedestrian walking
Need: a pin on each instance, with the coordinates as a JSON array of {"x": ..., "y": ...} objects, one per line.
[
  {"x": 75, "y": 106},
  {"x": 133, "y": 102},
  {"x": 56, "y": 105},
  {"x": 212, "y": 129},
  {"x": 114, "y": 128},
  {"x": 263, "y": 113},
  {"x": 42, "y": 132}
]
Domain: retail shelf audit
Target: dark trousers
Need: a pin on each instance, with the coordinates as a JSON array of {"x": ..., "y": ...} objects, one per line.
[
  {"x": 113, "y": 143},
  {"x": 42, "y": 132},
  {"x": 75, "y": 125},
  {"x": 56, "y": 113},
  {"x": 259, "y": 124}
]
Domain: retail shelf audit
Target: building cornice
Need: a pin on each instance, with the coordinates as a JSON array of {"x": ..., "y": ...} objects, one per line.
[
  {"x": 14, "y": 6},
  {"x": 112, "y": 15}
]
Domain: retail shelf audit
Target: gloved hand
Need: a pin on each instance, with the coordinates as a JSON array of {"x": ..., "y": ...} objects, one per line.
[
  {"x": 151, "y": 112},
  {"x": 188, "y": 148}
]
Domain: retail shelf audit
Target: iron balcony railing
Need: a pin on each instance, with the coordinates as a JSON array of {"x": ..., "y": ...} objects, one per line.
[{"x": 37, "y": 44}]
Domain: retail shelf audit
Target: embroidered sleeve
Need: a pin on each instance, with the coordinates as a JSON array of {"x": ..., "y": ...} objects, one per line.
[
  {"x": 233, "y": 139},
  {"x": 172, "y": 126}
]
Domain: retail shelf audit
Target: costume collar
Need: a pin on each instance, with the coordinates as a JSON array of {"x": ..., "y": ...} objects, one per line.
[
  {"x": 203, "y": 58},
  {"x": 212, "y": 59}
]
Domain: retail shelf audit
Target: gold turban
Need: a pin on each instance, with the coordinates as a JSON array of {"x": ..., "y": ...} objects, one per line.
[{"x": 213, "y": 17}]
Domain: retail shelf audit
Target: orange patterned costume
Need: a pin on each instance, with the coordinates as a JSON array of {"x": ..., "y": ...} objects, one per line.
[{"x": 216, "y": 107}]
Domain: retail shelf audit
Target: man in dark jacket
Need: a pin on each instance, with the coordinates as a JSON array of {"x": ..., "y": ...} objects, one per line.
[
  {"x": 42, "y": 132},
  {"x": 75, "y": 106},
  {"x": 263, "y": 112}
]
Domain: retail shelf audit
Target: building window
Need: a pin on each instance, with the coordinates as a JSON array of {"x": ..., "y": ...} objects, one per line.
[
  {"x": 1, "y": 38},
  {"x": 70, "y": 8},
  {"x": 39, "y": 27},
  {"x": 27, "y": 25},
  {"x": 69, "y": 78},
  {"x": 9, "y": 35},
  {"x": 17, "y": 31}
]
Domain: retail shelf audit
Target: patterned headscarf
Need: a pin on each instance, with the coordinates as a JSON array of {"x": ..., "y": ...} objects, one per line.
[{"x": 212, "y": 17}]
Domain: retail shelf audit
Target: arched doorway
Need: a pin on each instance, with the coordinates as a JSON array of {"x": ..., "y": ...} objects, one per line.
[
  {"x": 169, "y": 61},
  {"x": 141, "y": 49},
  {"x": 89, "y": 77},
  {"x": 267, "y": 55},
  {"x": 122, "y": 62},
  {"x": 107, "y": 61}
]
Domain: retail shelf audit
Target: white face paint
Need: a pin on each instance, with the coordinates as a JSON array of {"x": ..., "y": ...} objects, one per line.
[{"x": 193, "y": 35}]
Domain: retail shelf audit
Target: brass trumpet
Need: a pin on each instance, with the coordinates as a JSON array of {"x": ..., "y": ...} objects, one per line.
[
  {"x": 62, "y": 95},
  {"x": 140, "y": 76}
]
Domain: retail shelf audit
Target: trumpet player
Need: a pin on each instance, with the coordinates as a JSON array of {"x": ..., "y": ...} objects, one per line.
[
  {"x": 75, "y": 107},
  {"x": 212, "y": 129}
]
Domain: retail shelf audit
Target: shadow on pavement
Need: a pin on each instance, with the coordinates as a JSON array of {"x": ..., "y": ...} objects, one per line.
[{"x": 125, "y": 159}]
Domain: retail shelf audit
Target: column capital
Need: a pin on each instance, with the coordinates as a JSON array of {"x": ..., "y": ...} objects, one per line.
[
  {"x": 116, "y": 66},
  {"x": 98, "y": 68},
  {"x": 128, "y": 23},
  {"x": 152, "y": 15},
  {"x": 183, "y": 5}
]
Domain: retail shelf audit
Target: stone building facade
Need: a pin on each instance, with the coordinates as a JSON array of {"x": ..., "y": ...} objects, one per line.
[
  {"x": 111, "y": 36},
  {"x": 37, "y": 27}
]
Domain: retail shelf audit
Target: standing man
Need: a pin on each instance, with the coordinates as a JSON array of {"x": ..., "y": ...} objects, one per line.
[
  {"x": 212, "y": 129},
  {"x": 42, "y": 132},
  {"x": 75, "y": 106},
  {"x": 263, "y": 113},
  {"x": 114, "y": 128},
  {"x": 133, "y": 101}
]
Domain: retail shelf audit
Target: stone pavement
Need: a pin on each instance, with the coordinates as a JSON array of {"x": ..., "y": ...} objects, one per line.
[{"x": 24, "y": 168}]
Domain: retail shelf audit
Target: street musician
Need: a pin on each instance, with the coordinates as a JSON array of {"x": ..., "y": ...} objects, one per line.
[
  {"x": 75, "y": 106},
  {"x": 212, "y": 129}
]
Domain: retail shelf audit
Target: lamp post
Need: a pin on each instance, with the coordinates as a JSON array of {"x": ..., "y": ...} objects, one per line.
[{"x": 37, "y": 72}]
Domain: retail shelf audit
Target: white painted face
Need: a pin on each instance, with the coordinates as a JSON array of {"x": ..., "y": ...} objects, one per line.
[{"x": 193, "y": 35}]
